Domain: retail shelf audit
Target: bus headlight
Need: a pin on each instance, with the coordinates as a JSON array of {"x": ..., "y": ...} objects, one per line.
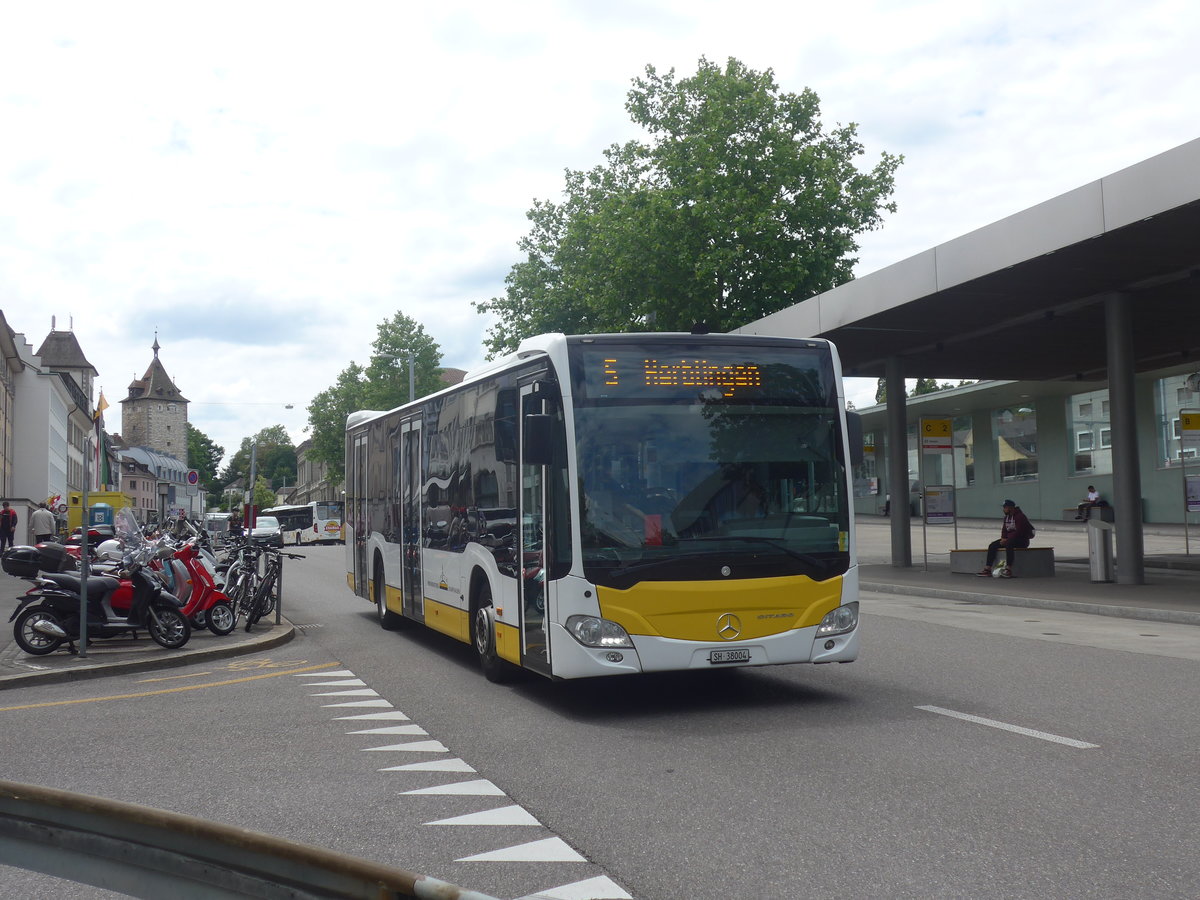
[
  {"x": 593, "y": 632},
  {"x": 839, "y": 621}
]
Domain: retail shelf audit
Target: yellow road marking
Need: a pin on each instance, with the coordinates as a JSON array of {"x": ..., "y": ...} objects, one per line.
[
  {"x": 172, "y": 677},
  {"x": 174, "y": 690}
]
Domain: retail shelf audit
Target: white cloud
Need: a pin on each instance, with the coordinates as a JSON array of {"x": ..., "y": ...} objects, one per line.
[{"x": 264, "y": 183}]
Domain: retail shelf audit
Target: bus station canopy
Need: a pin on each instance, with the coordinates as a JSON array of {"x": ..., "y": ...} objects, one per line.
[{"x": 1024, "y": 297}]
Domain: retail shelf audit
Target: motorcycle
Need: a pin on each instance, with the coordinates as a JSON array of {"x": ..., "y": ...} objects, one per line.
[{"x": 47, "y": 616}]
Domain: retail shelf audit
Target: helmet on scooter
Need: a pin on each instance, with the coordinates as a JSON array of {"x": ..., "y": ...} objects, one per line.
[{"x": 110, "y": 550}]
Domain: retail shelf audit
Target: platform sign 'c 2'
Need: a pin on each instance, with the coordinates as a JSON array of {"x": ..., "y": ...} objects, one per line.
[{"x": 937, "y": 434}]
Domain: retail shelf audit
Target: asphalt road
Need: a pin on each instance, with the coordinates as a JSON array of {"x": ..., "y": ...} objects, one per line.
[{"x": 970, "y": 752}]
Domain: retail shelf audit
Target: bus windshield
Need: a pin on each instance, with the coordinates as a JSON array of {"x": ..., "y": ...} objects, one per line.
[{"x": 688, "y": 463}]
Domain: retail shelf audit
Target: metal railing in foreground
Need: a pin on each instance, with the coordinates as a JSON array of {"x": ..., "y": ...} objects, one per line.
[{"x": 145, "y": 852}]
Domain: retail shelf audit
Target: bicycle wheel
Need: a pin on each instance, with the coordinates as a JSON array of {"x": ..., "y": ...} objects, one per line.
[{"x": 258, "y": 605}]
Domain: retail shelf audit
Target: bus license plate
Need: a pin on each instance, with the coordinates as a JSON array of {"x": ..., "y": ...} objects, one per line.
[{"x": 728, "y": 656}]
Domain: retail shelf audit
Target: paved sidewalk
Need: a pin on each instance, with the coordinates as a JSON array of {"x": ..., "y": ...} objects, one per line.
[
  {"x": 1171, "y": 592},
  {"x": 112, "y": 655}
]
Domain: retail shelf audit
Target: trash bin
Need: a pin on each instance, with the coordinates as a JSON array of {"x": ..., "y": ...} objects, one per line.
[{"x": 1100, "y": 554}]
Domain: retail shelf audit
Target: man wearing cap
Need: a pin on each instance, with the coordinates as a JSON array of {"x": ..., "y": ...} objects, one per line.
[{"x": 1015, "y": 532}]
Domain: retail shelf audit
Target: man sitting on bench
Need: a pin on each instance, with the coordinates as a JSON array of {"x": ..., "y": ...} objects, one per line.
[
  {"x": 1093, "y": 501},
  {"x": 1016, "y": 532}
]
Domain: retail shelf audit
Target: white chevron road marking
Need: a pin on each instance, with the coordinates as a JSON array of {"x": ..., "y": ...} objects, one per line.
[
  {"x": 361, "y": 703},
  {"x": 599, "y": 888},
  {"x": 395, "y": 715},
  {"x": 432, "y": 765},
  {"x": 479, "y": 787},
  {"x": 426, "y": 746},
  {"x": 344, "y": 673},
  {"x": 393, "y": 729},
  {"x": 504, "y": 815},
  {"x": 553, "y": 849},
  {"x": 355, "y": 692}
]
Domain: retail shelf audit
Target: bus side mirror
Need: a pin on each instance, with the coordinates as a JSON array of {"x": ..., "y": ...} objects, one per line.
[
  {"x": 854, "y": 434},
  {"x": 537, "y": 448}
]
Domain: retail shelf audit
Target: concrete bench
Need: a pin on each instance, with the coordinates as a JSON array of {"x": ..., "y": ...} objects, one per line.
[
  {"x": 1103, "y": 513},
  {"x": 1028, "y": 562}
]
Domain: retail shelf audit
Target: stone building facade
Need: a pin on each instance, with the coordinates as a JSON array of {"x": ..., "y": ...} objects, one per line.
[{"x": 154, "y": 414}]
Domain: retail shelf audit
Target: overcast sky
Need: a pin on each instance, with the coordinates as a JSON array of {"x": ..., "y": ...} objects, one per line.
[{"x": 263, "y": 183}]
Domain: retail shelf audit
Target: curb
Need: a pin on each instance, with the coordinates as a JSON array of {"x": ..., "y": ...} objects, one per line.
[
  {"x": 99, "y": 669},
  {"x": 1177, "y": 617}
]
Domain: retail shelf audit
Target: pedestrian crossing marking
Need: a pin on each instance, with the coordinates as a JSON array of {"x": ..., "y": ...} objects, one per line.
[{"x": 504, "y": 815}]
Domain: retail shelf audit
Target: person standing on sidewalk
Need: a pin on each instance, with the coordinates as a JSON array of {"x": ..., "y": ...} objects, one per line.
[
  {"x": 8, "y": 525},
  {"x": 43, "y": 524},
  {"x": 1017, "y": 531}
]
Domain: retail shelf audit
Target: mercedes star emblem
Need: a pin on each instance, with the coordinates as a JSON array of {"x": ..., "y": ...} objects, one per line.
[{"x": 729, "y": 627}]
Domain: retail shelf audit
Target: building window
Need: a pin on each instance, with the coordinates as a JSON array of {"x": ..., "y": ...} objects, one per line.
[
  {"x": 1171, "y": 398},
  {"x": 1015, "y": 434},
  {"x": 1087, "y": 416},
  {"x": 132, "y": 485}
]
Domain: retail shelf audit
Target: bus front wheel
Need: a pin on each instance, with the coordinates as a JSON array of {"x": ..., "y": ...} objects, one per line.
[
  {"x": 483, "y": 628},
  {"x": 388, "y": 620}
]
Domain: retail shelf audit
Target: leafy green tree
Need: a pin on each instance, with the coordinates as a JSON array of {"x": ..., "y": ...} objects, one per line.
[
  {"x": 205, "y": 457},
  {"x": 381, "y": 384},
  {"x": 275, "y": 458},
  {"x": 264, "y": 496},
  {"x": 740, "y": 204}
]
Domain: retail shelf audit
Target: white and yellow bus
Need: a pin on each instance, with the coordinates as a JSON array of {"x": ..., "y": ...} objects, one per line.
[
  {"x": 315, "y": 522},
  {"x": 615, "y": 504}
]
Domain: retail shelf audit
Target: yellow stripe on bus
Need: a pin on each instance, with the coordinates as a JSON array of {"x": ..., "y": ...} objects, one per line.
[
  {"x": 448, "y": 620},
  {"x": 694, "y": 610}
]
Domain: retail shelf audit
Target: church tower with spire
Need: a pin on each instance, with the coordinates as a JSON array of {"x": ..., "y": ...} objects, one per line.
[{"x": 154, "y": 414}]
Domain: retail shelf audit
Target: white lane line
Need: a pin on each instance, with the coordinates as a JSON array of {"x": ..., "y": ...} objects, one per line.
[
  {"x": 1016, "y": 729},
  {"x": 354, "y": 692},
  {"x": 341, "y": 682},
  {"x": 341, "y": 673}
]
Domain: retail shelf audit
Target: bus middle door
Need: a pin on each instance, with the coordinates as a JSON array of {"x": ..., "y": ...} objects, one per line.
[{"x": 410, "y": 519}]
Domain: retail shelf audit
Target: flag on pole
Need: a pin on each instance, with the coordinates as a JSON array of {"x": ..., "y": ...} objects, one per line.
[{"x": 102, "y": 476}]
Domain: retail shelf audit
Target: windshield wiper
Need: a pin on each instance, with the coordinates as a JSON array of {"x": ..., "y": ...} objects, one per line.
[{"x": 652, "y": 564}]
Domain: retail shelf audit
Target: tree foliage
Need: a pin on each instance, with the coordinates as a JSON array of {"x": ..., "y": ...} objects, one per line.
[
  {"x": 739, "y": 204},
  {"x": 205, "y": 457},
  {"x": 274, "y": 458},
  {"x": 381, "y": 384}
]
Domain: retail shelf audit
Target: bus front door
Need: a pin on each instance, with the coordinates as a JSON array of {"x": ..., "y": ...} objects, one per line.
[
  {"x": 535, "y": 645},
  {"x": 410, "y": 519}
]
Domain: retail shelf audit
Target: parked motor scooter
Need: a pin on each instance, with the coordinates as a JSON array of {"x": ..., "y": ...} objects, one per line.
[{"x": 47, "y": 616}]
